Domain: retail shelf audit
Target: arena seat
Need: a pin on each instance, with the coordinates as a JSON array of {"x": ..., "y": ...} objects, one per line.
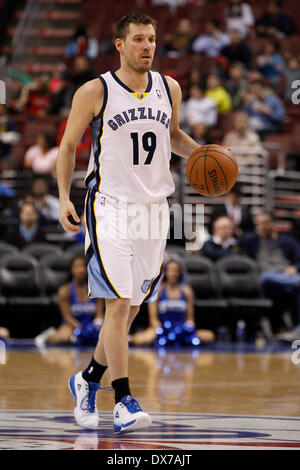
[
  {"x": 202, "y": 278},
  {"x": 54, "y": 271},
  {"x": 75, "y": 250},
  {"x": 238, "y": 276},
  {"x": 7, "y": 249},
  {"x": 33, "y": 128},
  {"x": 20, "y": 280},
  {"x": 210, "y": 307},
  {"x": 239, "y": 283},
  {"x": 278, "y": 146},
  {"x": 175, "y": 250},
  {"x": 40, "y": 250}
]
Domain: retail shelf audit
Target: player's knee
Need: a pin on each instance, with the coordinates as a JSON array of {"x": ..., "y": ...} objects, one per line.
[
  {"x": 134, "y": 310},
  {"x": 118, "y": 308}
]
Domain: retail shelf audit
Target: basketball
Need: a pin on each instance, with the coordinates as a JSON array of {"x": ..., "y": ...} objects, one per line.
[{"x": 211, "y": 170}]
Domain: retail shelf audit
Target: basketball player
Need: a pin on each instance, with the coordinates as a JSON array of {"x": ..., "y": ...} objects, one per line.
[{"x": 133, "y": 114}]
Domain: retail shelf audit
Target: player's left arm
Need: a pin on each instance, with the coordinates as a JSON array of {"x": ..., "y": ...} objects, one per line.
[{"x": 181, "y": 143}]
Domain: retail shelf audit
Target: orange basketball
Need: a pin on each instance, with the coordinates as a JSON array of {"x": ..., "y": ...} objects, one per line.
[{"x": 212, "y": 170}]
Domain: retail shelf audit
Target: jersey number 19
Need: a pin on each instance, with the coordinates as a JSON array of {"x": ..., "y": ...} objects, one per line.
[{"x": 149, "y": 145}]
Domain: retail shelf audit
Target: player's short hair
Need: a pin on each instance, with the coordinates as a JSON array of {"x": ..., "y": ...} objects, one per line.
[{"x": 122, "y": 25}]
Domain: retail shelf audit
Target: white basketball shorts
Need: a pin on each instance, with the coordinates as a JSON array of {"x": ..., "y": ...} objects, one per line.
[{"x": 124, "y": 247}]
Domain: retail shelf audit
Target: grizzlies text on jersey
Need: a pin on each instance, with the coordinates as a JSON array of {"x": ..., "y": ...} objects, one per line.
[{"x": 131, "y": 146}]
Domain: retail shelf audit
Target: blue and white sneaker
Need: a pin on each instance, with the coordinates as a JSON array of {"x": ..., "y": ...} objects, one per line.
[
  {"x": 129, "y": 416},
  {"x": 85, "y": 412}
]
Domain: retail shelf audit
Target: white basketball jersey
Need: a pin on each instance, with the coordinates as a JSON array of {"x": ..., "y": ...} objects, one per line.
[{"x": 131, "y": 146}]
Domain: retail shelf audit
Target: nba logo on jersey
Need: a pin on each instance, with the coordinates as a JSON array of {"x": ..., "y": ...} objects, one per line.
[
  {"x": 102, "y": 200},
  {"x": 146, "y": 285},
  {"x": 159, "y": 95}
]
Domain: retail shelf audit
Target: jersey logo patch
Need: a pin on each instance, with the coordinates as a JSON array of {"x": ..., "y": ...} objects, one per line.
[
  {"x": 159, "y": 95},
  {"x": 140, "y": 96},
  {"x": 146, "y": 284}
]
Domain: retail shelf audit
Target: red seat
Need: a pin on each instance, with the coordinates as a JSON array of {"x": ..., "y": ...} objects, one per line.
[
  {"x": 283, "y": 142},
  {"x": 34, "y": 128}
]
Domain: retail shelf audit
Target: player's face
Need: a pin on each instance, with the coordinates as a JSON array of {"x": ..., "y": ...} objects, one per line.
[{"x": 138, "y": 47}]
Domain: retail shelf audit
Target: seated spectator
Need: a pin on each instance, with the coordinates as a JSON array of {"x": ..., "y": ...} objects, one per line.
[
  {"x": 93, "y": 46},
  {"x": 239, "y": 16},
  {"x": 6, "y": 191},
  {"x": 35, "y": 98},
  {"x": 212, "y": 41},
  {"x": 41, "y": 158},
  {"x": 256, "y": 76},
  {"x": 28, "y": 229},
  {"x": 266, "y": 112},
  {"x": 200, "y": 133},
  {"x": 82, "y": 71},
  {"x": 217, "y": 92},
  {"x": 46, "y": 203},
  {"x": 81, "y": 314},
  {"x": 291, "y": 73},
  {"x": 82, "y": 43},
  {"x": 180, "y": 42},
  {"x": 199, "y": 108},
  {"x": 223, "y": 242},
  {"x": 56, "y": 77},
  {"x": 278, "y": 257},
  {"x": 241, "y": 136},
  {"x": 9, "y": 136},
  {"x": 270, "y": 63},
  {"x": 236, "y": 51},
  {"x": 107, "y": 45},
  {"x": 196, "y": 76},
  {"x": 61, "y": 100},
  {"x": 174, "y": 305},
  {"x": 274, "y": 22},
  {"x": 236, "y": 84},
  {"x": 238, "y": 213}
]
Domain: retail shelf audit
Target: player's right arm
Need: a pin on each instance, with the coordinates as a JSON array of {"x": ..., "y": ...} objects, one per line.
[{"x": 87, "y": 102}]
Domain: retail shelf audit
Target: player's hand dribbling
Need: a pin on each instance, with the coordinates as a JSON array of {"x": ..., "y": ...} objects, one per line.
[{"x": 67, "y": 210}]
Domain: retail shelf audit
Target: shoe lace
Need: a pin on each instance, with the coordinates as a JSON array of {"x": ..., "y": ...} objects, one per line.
[
  {"x": 133, "y": 406},
  {"x": 93, "y": 388}
]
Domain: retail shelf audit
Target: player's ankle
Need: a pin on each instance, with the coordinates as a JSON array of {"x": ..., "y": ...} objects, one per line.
[{"x": 121, "y": 388}]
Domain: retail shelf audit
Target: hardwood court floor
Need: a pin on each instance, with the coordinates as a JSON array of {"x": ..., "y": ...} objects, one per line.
[
  {"x": 201, "y": 382},
  {"x": 166, "y": 383}
]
